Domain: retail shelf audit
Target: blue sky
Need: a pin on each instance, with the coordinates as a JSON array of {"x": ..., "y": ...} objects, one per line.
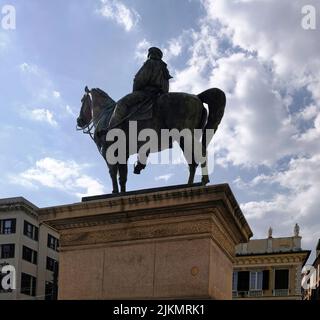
[{"x": 267, "y": 147}]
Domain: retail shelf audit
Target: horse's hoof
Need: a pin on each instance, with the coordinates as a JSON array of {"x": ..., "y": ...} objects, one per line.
[
  {"x": 138, "y": 167},
  {"x": 136, "y": 170},
  {"x": 205, "y": 180}
]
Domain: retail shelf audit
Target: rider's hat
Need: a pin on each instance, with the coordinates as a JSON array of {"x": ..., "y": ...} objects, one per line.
[{"x": 155, "y": 53}]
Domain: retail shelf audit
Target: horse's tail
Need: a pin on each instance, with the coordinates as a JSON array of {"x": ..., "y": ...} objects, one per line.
[{"x": 216, "y": 101}]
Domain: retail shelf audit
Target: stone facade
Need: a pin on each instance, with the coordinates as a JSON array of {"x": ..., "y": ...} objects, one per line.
[{"x": 164, "y": 243}]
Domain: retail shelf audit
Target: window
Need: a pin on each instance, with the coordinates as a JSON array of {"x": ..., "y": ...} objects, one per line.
[
  {"x": 234, "y": 281},
  {"x": 52, "y": 264},
  {"x": 53, "y": 243},
  {"x": 50, "y": 293},
  {"x": 281, "y": 280},
  {"x": 8, "y": 226},
  {"x": 7, "y": 251},
  {"x": 29, "y": 255},
  {"x": 30, "y": 231},
  {"x": 256, "y": 280},
  {"x": 28, "y": 284}
]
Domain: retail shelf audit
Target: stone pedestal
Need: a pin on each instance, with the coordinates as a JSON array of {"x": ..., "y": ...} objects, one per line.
[{"x": 167, "y": 243}]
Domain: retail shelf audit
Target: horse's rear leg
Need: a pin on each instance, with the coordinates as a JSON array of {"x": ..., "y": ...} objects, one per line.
[
  {"x": 202, "y": 158},
  {"x": 204, "y": 170},
  {"x": 123, "y": 174},
  {"x": 192, "y": 172}
]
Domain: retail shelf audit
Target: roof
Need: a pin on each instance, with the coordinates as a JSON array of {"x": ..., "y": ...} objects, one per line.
[
  {"x": 18, "y": 203},
  {"x": 307, "y": 252}
]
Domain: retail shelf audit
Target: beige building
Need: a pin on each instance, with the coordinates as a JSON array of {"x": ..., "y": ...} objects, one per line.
[
  {"x": 30, "y": 247},
  {"x": 269, "y": 268}
]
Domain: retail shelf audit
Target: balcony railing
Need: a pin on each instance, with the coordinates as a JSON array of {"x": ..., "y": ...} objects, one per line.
[
  {"x": 256, "y": 293},
  {"x": 280, "y": 292},
  {"x": 246, "y": 294}
]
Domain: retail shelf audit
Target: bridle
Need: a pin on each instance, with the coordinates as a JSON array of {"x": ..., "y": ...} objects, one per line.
[
  {"x": 93, "y": 124},
  {"x": 87, "y": 129}
]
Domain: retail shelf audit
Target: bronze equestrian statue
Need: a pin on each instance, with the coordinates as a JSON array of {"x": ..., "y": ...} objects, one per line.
[{"x": 168, "y": 110}]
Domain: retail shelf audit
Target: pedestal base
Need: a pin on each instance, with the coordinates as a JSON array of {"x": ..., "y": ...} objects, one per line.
[{"x": 172, "y": 244}]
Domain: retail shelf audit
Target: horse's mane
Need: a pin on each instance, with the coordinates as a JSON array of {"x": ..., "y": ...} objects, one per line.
[{"x": 101, "y": 92}]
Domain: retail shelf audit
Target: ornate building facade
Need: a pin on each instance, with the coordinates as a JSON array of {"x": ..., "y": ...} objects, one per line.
[{"x": 269, "y": 268}]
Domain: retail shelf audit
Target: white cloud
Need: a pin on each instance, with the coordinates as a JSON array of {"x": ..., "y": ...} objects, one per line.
[
  {"x": 65, "y": 176},
  {"x": 4, "y": 41},
  {"x": 273, "y": 30},
  {"x": 297, "y": 202},
  {"x": 142, "y": 50},
  {"x": 56, "y": 94},
  {"x": 115, "y": 10},
  {"x": 171, "y": 49},
  {"x": 70, "y": 111},
  {"x": 42, "y": 115},
  {"x": 175, "y": 47},
  {"x": 258, "y": 127},
  {"x": 29, "y": 68},
  {"x": 257, "y": 52},
  {"x": 165, "y": 177}
]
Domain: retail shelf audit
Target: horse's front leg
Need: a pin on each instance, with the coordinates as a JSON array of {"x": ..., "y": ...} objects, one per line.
[
  {"x": 141, "y": 162},
  {"x": 113, "y": 171},
  {"x": 123, "y": 174}
]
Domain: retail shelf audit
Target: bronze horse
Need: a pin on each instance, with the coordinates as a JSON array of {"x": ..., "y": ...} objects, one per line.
[{"x": 170, "y": 111}]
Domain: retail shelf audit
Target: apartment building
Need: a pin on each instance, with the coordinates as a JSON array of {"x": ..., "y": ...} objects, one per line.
[
  {"x": 30, "y": 247},
  {"x": 269, "y": 268}
]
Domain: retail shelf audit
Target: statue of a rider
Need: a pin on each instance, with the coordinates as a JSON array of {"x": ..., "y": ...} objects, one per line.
[{"x": 150, "y": 81}]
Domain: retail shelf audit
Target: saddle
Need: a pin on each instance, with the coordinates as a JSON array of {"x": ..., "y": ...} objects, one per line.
[{"x": 141, "y": 111}]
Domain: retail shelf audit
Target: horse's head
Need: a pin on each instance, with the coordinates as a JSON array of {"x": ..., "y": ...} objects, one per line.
[{"x": 85, "y": 115}]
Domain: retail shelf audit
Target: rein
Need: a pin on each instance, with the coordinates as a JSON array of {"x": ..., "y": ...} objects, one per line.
[{"x": 93, "y": 125}]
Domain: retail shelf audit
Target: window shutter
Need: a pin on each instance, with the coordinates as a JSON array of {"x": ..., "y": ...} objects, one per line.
[
  {"x": 243, "y": 280},
  {"x": 13, "y": 226},
  {"x": 25, "y": 228},
  {"x": 265, "y": 280},
  {"x": 36, "y": 234}
]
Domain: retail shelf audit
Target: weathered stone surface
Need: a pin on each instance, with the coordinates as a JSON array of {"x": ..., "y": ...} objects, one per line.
[{"x": 164, "y": 244}]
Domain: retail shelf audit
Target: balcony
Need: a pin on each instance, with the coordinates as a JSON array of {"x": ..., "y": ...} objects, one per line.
[{"x": 280, "y": 292}]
